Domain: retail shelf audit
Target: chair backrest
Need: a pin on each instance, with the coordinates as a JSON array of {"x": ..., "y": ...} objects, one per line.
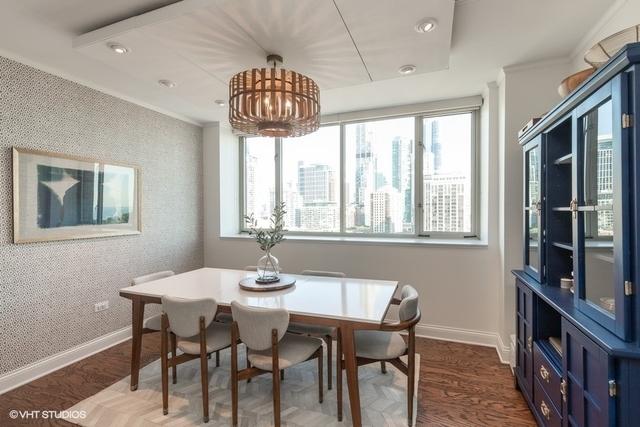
[
  {"x": 151, "y": 277},
  {"x": 323, "y": 273},
  {"x": 255, "y": 324},
  {"x": 408, "y": 303},
  {"x": 251, "y": 268},
  {"x": 184, "y": 314}
]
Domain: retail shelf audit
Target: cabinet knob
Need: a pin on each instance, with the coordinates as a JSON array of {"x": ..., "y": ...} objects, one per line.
[
  {"x": 544, "y": 409},
  {"x": 544, "y": 373},
  {"x": 563, "y": 389},
  {"x": 530, "y": 343}
]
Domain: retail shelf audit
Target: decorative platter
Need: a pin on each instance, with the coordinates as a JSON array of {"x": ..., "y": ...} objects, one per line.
[{"x": 249, "y": 284}]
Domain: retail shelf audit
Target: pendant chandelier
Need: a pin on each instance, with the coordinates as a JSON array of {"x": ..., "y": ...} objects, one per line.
[{"x": 273, "y": 102}]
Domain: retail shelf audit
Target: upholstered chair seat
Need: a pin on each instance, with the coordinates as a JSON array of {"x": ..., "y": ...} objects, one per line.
[
  {"x": 218, "y": 337},
  {"x": 379, "y": 345},
  {"x": 292, "y": 349}
]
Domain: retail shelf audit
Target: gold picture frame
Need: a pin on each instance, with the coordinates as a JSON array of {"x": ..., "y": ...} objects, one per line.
[{"x": 62, "y": 197}]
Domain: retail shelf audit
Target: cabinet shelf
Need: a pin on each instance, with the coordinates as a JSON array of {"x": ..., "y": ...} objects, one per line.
[
  {"x": 566, "y": 246},
  {"x": 564, "y": 160}
]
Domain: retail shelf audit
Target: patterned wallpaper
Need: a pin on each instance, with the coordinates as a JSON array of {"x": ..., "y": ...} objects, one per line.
[{"x": 47, "y": 290}]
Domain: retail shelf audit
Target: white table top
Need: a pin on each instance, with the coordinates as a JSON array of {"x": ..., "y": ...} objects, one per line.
[{"x": 361, "y": 300}]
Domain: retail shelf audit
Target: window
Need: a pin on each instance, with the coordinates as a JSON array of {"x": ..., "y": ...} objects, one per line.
[
  {"x": 259, "y": 179},
  {"x": 447, "y": 170},
  {"x": 411, "y": 176},
  {"x": 379, "y": 171},
  {"x": 311, "y": 181}
]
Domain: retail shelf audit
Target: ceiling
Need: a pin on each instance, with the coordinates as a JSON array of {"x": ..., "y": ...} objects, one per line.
[{"x": 352, "y": 48}]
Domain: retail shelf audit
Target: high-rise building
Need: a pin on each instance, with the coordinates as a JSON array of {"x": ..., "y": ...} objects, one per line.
[
  {"x": 432, "y": 148},
  {"x": 385, "y": 207},
  {"x": 250, "y": 183},
  {"x": 445, "y": 203},
  {"x": 364, "y": 172},
  {"x": 402, "y": 176},
  {"x": 316, "y": 183},
  {"x": 605, "y": 185}
]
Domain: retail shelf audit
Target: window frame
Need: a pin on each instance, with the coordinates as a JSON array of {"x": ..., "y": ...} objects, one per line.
[{"x": 419, "y": 231}]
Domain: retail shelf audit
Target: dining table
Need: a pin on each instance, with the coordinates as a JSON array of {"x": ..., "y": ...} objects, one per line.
[{"x": 348, "y": 304}]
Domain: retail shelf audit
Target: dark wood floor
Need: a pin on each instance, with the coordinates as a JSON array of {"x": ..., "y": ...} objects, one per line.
[{"x": 460, "y": 385}]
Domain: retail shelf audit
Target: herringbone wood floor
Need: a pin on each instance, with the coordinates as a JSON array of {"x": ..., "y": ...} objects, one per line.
[{"x": 460, "y": 385}]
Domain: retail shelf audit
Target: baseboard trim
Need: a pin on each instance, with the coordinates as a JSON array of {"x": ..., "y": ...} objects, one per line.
[
  {"x": 50, "y": 364},
  {"x": 465, "y": 336}
]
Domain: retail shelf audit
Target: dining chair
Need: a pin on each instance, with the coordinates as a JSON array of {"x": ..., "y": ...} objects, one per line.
[
  {"x": 386, "y": 344},
  {"x": 197, "y": 336},
  {"x": 154, "y": 323},
  {"x": 271, "y": 350},
  {"x": 326, "y": 333}
]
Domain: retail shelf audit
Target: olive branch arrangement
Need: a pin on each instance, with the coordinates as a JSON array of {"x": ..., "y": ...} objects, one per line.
[{"x": 267, "y": 238}]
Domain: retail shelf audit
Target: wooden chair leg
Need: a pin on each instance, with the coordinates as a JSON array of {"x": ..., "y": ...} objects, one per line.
[
  {"x": 275, "y": 369},
  {"x": 246, "y": 349},
  {"x": 234, "y": 374},
  {"x": 383, "y": 367},
  {"x": 218, "y": 359},
  {"x": 174, "y": 353},
  {"x": 411, "y": 365},
  {"x": 204, "y": 372},
  {"x": 320, "y": 375},
  {"x": 163, "y": 365},
  {"x": 329, "y": 340},
  {"x": 339, "y": 372}
]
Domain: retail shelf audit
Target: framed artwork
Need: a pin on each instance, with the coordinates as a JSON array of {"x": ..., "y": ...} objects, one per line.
[{"x": 59, "y": 197}]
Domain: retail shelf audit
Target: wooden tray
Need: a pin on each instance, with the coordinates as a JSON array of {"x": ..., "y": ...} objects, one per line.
[{"x": 249, "y": 284}]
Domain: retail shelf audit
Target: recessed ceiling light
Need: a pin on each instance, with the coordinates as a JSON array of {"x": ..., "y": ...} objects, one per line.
[
  {"x": 220, "y": 102},
  {"x": 118, "y": 48},
  {"x": 167, "y": 83},
  {"x": 407, "y": 69},
  {"x": 426, "y": 25}
]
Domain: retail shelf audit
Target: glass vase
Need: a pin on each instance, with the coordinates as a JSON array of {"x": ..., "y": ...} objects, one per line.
[{"x": 268, "y": 268}]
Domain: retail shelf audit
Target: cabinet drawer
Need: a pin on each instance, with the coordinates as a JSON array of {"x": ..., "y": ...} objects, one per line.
[
  {"x": 548, "y": 375},
  {"x": 544, "y": 407}
]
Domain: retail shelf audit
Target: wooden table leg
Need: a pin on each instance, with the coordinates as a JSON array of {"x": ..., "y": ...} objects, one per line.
[
  {"x": 351, "y": 366},
  {"x": 137, "y": 318}
]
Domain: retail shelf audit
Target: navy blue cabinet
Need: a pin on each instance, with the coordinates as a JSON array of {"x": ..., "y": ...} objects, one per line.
[
  {"x": 588, "y": 383},
  {"x": 524, "y": 339},
  {"x": 577, "y": 318}
]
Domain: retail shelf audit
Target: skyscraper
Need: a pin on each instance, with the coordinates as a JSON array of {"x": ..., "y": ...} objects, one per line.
[
  {"x": 363, "y": 173},
  {"x": 316, "y": 183},
  {"x": 316, "y": 205},
  {"x": 445, "y": 203},
  {"x": 386, "y": 210},
  {"x": 402, "y": 176}
]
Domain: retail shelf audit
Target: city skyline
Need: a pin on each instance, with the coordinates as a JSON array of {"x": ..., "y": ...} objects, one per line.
[{"x": 379, "y": 177}]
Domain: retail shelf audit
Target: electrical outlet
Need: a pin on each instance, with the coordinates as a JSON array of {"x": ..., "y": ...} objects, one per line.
[{"x": 101, "y": 306}]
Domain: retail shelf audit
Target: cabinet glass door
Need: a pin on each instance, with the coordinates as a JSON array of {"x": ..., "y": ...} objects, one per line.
[
  {"x": 533, "y": 209},
  {"x": 599, "y": 209}
]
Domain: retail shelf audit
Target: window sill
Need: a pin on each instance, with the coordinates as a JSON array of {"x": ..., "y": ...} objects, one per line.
[{"x": 357, "y": 240}]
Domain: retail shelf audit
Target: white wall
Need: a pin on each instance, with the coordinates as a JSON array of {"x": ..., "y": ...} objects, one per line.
[
  {"x": 525, "y": 91},
  {"x": 623, "y": 14},
  {"x": 458, "y": 285}
]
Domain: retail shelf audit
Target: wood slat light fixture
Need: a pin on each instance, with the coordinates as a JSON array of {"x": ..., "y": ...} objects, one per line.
[{"x": 273, "y": 102}]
